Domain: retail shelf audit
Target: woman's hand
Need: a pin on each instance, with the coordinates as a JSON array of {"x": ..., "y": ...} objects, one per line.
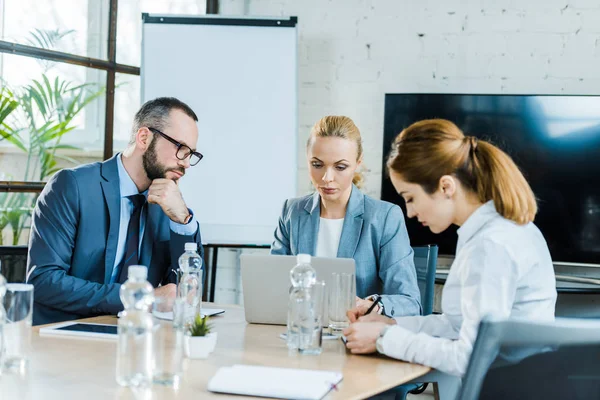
[
  {"x": 362, "y": 306},
  {"x": 361, "y": 336},
  {"x": 377, "y": 318}
]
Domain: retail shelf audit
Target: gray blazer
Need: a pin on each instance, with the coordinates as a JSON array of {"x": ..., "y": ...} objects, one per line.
[
  {"x": 73, "y": 244},
  {"x": 374, "y": 234}
]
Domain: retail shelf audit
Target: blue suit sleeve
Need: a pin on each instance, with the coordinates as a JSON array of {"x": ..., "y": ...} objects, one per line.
[
  {"x": 397, "y": 268},
  {"x": 51, "y": 244},
  {"x": 281, "y": 242}
]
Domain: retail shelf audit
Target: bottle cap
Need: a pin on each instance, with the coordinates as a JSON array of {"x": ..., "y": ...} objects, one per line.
[
  {"x": 303, "y": 258},
  {"x": 137, "y": 271},
  {"x": 191, "y": 246}
]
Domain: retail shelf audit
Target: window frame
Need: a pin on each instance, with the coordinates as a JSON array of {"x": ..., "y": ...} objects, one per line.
[{"x": 109, "y": 65}]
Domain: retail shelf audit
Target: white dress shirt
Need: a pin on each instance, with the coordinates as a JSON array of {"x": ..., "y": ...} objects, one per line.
[
  {"x": 128, "y": 188},
  {"x": 502, "y": 270},
  {"x": 328, "y": 238}
]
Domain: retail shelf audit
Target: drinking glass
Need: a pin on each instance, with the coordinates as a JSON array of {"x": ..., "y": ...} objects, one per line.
[
  {"x": 167, "y": 342},
  {"x": 341, "y": 299},
  {"x": 18, "y": 305}
]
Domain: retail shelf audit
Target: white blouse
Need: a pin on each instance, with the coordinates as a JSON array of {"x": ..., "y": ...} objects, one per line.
[
  {"x": 502, "y": 270},
  {"x": 328, "y": 239}
]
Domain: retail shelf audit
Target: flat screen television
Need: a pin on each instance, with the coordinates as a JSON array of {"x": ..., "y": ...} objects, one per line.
[{"x": 555, "y": 140}]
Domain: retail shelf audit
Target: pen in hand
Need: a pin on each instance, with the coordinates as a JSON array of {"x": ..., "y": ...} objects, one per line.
[{"x": 375, "y": 302}]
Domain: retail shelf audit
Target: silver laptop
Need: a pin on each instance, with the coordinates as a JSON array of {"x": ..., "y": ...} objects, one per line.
[{"x": 266, "y": 283}]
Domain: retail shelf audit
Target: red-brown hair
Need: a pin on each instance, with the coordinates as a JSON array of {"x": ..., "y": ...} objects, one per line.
[{"x": 430, "y": 149}]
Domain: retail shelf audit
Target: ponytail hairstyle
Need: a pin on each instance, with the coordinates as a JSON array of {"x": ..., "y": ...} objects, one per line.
[
  {"x": 430, "y": 149},
  {"x": 342, "y": 127}
]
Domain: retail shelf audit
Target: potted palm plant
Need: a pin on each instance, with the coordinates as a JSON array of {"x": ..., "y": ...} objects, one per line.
[
  {"x": 42, "y": 113},
  {"x": 199, "y": 341}
]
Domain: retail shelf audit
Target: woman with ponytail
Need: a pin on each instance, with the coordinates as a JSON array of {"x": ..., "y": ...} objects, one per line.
[
  {"x": 502, "y": 267},
  {"x": 339, "y": 221}
]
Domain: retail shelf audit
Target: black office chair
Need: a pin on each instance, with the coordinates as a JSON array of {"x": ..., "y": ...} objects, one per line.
[
  {"x": 425, "y": 264},
  {"x": 13, "y": 263},
  {"x": 528, "y": 360}
]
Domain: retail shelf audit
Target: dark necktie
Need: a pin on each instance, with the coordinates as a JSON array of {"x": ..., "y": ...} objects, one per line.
[{"x": 133, "y": 237}]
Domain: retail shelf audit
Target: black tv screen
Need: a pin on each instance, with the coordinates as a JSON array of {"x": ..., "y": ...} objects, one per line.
[{"x": 555, "y": 140}]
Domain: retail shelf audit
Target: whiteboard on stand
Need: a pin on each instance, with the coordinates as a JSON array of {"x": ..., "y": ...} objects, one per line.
[{"x": 239, "y": 75}]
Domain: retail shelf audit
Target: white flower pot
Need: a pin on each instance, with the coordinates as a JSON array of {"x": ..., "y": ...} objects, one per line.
[{"x": 200, "y": 346}]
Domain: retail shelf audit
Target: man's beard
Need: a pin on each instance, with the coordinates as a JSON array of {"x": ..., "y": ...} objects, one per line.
[{"x": 154, "y": 169}]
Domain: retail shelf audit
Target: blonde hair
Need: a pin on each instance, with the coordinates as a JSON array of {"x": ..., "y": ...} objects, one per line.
[
  {"x": 342, "y": 127},
  {"x": 430, "y": 149}
]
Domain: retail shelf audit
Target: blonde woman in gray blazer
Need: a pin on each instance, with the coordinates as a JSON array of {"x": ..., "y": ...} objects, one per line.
[{"x": 340, "y": 221}]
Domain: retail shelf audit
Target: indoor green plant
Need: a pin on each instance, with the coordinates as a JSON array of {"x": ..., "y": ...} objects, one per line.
[
  {"x": 199, "y": 341},
  {"x": 8, "y": 104},
  {"x": 42, "y": 112}
]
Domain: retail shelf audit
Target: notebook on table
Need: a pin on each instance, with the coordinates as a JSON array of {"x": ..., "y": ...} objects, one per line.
[{"x": 281, "y": 383}]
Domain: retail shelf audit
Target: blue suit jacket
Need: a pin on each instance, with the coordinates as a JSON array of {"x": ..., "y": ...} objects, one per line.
[
  {"x": 374, "y": 234},
  {"x": 73, "y": 244}
]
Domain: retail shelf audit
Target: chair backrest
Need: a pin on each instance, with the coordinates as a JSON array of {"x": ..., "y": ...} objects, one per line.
[
  {"x": 425, "y": 264},
  {"x": 13, "y": 263},
  {"x": 529, "y": 360}
]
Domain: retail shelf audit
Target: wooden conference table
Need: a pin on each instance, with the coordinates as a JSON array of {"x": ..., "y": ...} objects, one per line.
[{"x": 84, "y": 369}]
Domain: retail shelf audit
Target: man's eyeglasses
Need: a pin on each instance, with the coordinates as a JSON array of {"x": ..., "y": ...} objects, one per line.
[{"x": 183, "y": 151}]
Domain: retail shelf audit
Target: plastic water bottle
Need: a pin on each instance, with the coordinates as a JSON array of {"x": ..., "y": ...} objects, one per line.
[
  {"x": 189, "y": 287},
  {"x": 302, "y": 276},
  {"x": 2, "y": 319},
  {"x": 134, "y": 349}
]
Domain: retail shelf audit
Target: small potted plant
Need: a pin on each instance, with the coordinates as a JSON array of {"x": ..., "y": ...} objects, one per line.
[{"x": 199, "y": 341}]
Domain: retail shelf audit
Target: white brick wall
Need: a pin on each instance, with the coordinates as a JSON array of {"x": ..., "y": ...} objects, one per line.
[{"x": 352, "y": 52}]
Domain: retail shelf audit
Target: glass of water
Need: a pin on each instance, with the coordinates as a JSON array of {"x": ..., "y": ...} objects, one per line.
[
  {"x": 18, "y": 305},
  {"x": 341, "y": 299},
  {"x": 167, "y": 340},
  {"x": 310, "y": 339}
]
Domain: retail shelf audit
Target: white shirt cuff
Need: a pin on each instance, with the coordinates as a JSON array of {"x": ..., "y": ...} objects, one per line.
[
  {"x": 185, "y": 229},
  {"x": 394, "y": 342}
]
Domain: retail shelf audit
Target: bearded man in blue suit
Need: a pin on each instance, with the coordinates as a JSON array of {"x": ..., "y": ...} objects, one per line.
[{"x": 92, "y": 222}]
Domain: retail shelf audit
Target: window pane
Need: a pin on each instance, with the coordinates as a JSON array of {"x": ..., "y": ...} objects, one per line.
[
  {"x": 79, "y": 27},
  {"x": 127, "y": 103},
  {"x": 68, "y": 118},
  {"x": 15, "y": 217},
  {"x": 129, "y": 23}
]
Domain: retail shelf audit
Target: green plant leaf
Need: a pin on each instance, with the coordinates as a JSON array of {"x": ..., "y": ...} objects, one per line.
[
  {"x": 12, "y": 139},
  {"x": 44, "y": 112},
  {"x": 65, "y": 158},
  {"x": 51, "y": 98},
  {"x": 7, "y": 106},
  {"x": 200, "y": 326},
  {"x": 54, "y": 132},
  {"x": 47, "y": 38},
  {"x": 34, "y": 93},
  {"x": 63, "y": 147}
]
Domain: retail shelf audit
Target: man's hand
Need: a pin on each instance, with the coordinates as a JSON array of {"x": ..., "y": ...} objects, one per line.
[
  {"x": 169, "y": 291},
  {"x": 167, "y": 195},
  {"x": 361, "y": 336}
]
